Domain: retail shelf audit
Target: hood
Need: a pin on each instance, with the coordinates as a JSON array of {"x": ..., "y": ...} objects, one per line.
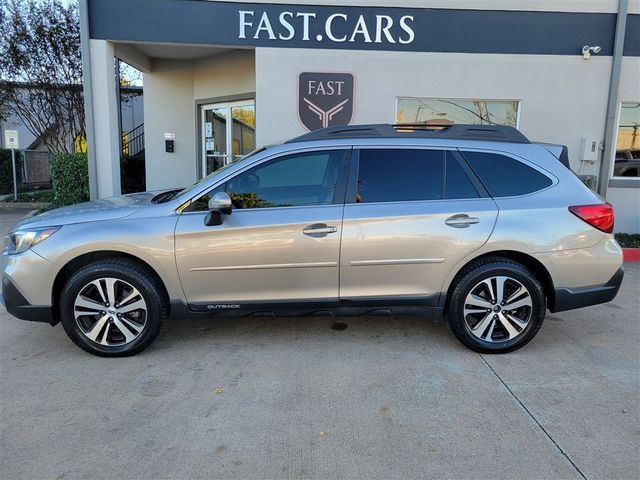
[{"x": 104, "y": 209}]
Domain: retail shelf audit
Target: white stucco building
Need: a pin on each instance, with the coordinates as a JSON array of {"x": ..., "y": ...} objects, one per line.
[{"x": 518, "y": 62}]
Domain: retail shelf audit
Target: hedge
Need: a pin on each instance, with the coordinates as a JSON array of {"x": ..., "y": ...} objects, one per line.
[
  {"x": 6, "y": 170},
  {"x": 70, "y": 178},
  {"x": 628, "y": 240}
]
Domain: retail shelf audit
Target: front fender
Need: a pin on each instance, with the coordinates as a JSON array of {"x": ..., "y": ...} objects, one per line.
[{"x": 148, "y": 239}]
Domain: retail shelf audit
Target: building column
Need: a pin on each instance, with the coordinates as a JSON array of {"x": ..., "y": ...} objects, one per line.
[
  {"x": 106, "y": 133},
  {"x": 610, "y": 126}
]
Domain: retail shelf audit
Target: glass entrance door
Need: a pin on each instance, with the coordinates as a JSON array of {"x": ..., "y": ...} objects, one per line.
[{"x": 228, "y": 133}]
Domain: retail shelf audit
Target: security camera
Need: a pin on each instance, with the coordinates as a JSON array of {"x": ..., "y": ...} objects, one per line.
[{"x": 587, "y": 51}]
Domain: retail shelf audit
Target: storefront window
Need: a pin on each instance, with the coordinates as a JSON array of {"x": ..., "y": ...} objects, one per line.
[
  {"x": 451, "y": 110},
  {"x": 627, "y": 163},
  {"x": 226, "y": 141}
]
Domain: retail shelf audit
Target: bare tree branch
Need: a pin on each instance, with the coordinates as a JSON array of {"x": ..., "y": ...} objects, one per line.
[{"x": 41, "y": 70}]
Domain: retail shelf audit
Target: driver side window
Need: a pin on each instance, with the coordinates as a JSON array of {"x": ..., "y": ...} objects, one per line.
[{"x": 299, "y": 179}]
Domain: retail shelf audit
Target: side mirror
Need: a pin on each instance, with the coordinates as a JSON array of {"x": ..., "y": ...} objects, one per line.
[{"x": 220, "y": 204}]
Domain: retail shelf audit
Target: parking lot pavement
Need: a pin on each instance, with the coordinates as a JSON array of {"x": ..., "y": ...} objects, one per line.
[{"x": 293, "y": 398}]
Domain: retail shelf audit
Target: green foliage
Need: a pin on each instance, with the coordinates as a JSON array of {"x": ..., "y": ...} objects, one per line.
[
  {"x": 628, "y": 240},
  {"x": 70, "y": 178},
  {"x": 6, "y": 170},
  {"x": 251, "y": 200}
]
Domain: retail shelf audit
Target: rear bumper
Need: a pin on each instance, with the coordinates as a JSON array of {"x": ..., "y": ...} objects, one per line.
[
  {"x": 19, "y": 307},
  {"x": 572, "y": 298}
]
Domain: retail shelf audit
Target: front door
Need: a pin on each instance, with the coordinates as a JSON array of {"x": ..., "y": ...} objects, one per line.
[
  {"x": 228, "y": 133},
  {"x": 412, "y": 216},
  {"x": 281, "y": 242}
]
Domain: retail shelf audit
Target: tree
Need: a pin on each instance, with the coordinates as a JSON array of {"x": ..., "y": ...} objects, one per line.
[{"x": 41, "y": 70}]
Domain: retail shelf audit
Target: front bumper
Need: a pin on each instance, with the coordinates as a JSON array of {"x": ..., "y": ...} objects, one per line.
[
  {"x": 19, "y": 307},
  {"x": 572, "y": 298},
  {"x": 26, "y": 286}
]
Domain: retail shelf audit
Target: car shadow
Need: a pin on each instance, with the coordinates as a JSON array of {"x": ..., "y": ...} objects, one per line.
[{"x": 262, "y": 331}]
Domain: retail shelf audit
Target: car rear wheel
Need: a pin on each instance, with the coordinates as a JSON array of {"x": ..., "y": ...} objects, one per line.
[
  {"x": 497, "y": 306},
  {"x": 113, "y": 308}
]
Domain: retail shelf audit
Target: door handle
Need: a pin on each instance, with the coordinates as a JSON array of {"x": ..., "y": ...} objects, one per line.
[
  {"x": 461, "y": 221},
  {"x": 319, "y": 230}
]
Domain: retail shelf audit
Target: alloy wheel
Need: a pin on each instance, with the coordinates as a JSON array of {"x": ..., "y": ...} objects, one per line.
[
  {"x": 498, "y": 309},
  {"x": 110, "y": 311}
]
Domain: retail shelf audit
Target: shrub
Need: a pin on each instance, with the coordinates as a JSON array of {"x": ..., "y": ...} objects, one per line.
[
  {"x": 70, "y": 178},
  {"x": 628, "y": 240},
  {"x": 6, "y": 170}
]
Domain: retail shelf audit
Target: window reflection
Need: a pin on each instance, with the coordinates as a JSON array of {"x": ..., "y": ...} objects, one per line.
[
  {"x": 215, "y": 139},
  {"x": 451, "y": 110},
  {"x": 228, "y": 133},
  {"x": 627, "y": 163},
  {"x": 292, "y": 180},
  {"x": 244, "y": 130}
]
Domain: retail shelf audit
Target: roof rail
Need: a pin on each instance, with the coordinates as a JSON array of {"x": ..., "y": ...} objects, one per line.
[{"x": 444, "y": 131}]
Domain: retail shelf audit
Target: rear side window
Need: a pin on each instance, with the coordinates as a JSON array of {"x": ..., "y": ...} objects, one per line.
[
  {"x": 399, "y": 175},
  {"x": 504, "y": 176}
]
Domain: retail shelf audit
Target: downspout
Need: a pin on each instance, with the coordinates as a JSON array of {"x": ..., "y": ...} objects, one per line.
[
  {"x": 612, "y": 103},
  {"x": 87, "y": 87}
]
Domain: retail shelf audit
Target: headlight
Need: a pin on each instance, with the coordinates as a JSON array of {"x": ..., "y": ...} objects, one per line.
[{"x": 23, "y": 240}]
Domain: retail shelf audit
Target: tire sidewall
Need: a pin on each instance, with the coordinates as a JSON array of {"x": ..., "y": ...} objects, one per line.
[
  {"x": 93, "y": 272},
  {"x": 469, "y": 281}
]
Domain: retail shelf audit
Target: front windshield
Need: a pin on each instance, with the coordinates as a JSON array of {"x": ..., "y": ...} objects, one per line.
[{"x": 220, "y": 170}]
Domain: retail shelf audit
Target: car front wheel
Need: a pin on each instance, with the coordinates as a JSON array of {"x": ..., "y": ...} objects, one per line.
[
  {"x": 113, "y": 308},
  {"x": 497, "y": 306}
]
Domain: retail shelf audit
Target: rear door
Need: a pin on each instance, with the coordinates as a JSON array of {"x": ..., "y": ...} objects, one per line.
[{"x": 411, "y": 215}]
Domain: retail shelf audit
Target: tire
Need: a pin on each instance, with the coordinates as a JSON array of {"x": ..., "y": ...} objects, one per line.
[
  {"x": 103, "y": 329},
  {"x": 482, "y": 322}
]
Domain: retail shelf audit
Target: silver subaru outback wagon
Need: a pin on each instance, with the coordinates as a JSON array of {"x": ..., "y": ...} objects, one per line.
[{"x": 475, "y": 223}]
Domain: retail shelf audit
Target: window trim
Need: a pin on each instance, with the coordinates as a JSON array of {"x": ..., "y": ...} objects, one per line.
[
  {"x": 616, "y": 181},
  {"x": 518, "y": 102},
  {"x": 352, "y": 186},
  {"x": 471, "y": 175},
  {"x": 338, "y": 197}
]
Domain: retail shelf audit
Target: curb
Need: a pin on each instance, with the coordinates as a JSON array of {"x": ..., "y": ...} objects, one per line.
[
  {"x": 631, "y": 254},
  {"x": 22, "y": 205}
]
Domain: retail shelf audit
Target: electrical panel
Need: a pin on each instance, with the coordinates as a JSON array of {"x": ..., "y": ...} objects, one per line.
[{"x": 590, "y": 149}]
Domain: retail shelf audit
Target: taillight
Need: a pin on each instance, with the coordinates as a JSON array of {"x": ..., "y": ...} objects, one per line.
[{"x": 599, "y": 216}]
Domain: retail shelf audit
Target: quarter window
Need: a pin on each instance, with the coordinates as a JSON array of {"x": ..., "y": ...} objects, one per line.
[
  {"x": 504, "y": 176},
  {"x": 294, "y": 180}
]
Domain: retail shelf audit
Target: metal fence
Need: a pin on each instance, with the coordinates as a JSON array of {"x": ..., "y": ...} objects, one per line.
[
  {"x": 32, "y": 171},
  {"x": 35, "y": 170}
]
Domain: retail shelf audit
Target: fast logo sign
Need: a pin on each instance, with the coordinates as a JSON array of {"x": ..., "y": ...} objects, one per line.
[
  {"x": 336, "y": 28},
  {"x": 325, "y": 99}
]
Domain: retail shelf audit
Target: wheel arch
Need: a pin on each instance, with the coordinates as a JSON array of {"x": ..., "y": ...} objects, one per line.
[
  {"x": 531, "y": 263},
  {"x": 86, "y": 258}
]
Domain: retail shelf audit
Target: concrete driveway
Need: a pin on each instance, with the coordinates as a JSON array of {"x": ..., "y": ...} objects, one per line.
[{"x": 293, "y": 398}]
